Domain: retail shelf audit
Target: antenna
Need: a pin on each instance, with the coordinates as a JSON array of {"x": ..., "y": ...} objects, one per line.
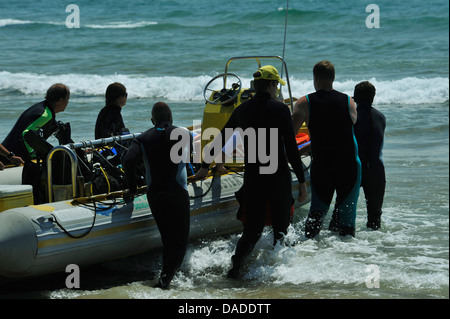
[
  {"x": 284, "y": 47},
  {"x": 285, "y": 31}
]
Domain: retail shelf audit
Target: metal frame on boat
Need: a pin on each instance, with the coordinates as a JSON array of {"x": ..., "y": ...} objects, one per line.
[
  {"x": 283, "y": 69},
  {"x": 70, "y": 151}
]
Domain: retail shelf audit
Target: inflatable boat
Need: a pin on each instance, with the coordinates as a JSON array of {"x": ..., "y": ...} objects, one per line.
[{"x": 87, "y": 221}]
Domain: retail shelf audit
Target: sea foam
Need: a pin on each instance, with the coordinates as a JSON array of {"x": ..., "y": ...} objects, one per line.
[
  {"x": 109, "y": 25},
  {"x": 405, "y": 91}
]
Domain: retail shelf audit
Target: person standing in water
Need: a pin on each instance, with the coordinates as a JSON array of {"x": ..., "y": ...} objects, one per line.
[
  {"x": 166, "y": 179},
  {"x": 265, "y": 115},
  {"x": 330, "y": 116},
  {"x": 369, "y": 131}
]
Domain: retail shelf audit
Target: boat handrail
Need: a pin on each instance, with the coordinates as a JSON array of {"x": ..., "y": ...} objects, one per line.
[
  {"x": 74, "y": 165},
  {"x": 69, "y": 149},
  {"x": 104, "y": 141},
  {"x": 257, "y": 58}
]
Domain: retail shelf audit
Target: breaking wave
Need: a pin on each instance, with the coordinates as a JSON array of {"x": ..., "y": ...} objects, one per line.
[{"x": 406, "y": 91}]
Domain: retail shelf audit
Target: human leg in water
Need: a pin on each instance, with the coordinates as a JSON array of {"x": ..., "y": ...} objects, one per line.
[
  {"x": 348, "y": 183},
  {"x": 334, "y": 222},
  {"x": 320, "y": 204},
  {"x": 280, "y": 205},
  {"x": 260, "y": 195},
  {"x": 344, "y": 214},
  {"x": 252, "y": 233},
  {"x": 374, "y": 184},
  {"x": 171, "y": 212},
  {"x": 255, "y": 209}
]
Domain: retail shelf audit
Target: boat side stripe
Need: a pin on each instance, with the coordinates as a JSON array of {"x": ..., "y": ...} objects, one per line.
[{"x": 133, "y": 226}]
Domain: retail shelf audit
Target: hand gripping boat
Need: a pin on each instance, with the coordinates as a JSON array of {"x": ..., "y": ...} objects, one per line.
[{"x": 86, "y": 220}]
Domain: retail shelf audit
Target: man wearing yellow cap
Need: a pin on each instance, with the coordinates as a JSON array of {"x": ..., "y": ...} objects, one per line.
[
  {"x": 271, "y": 121},
  {"x": 269, "y": 72}
]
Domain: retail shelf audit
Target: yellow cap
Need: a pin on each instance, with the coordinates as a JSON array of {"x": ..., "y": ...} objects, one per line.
[{"x": 268, "y": 72}]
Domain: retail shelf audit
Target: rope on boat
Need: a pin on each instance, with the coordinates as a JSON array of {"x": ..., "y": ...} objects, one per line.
[
  {"x": 95, "y": 201},
  {"x": 213, "y": 170},
  {"x": 55, "y": 219},
  {"x": 110, "y": 196}
]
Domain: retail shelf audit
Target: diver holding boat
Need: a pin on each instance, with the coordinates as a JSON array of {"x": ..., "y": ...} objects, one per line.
[
  {"x": 335, "y": 163},
  {"x": 166, "y": 179},
  {"x": 261, "y": 113}
]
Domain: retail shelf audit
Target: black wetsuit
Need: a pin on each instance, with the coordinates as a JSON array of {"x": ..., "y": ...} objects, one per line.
[
  {"x": 109, "y": 122},
  {"x": 27, "y": 139},
  {"x": 39, "y": 118},
  {"x": 369, "y": 132},
  {"x": 166, "y": 189},
  {"x": 259, "y": 188},
  {"x": 335, "y": 163}
]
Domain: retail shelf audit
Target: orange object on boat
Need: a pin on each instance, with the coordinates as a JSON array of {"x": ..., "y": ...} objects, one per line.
[{"x": 302, "y": 138}]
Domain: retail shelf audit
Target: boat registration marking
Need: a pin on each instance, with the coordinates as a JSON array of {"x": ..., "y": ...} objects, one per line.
[{"x": 71, "y": 214}]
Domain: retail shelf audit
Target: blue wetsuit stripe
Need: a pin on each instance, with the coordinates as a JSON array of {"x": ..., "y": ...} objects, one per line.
[
  {"x": 181, "y": 176},
  {"x": 348, "y": 206}
]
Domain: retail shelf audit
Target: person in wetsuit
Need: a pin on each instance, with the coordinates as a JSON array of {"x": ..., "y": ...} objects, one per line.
[
  {"x": 264, "y": 114},
  {"x": 166, "y": 179},
  {"x": 330, "y": 116},
  {"x": 109, "y": 120},
  {"x": 27, "y": 139},
  {"x": 369, "y": 131}
]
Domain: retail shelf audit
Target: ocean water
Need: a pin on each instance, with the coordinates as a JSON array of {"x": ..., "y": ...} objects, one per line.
[{"x": 168, "y": 51}]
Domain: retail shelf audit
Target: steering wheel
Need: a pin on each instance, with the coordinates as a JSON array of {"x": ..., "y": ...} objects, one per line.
[{"x": 225, "y": 95}]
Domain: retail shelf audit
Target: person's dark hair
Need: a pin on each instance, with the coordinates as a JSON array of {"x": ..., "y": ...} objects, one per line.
[
  {"x": 114, "y": 91},
  {"x": 161, "y": 113},
  {"x": 324, "y": 71},
  {"x": 261, "y": 85},
  {"x": 55, "y": 92},
  {"x": 364, "y": 92}
]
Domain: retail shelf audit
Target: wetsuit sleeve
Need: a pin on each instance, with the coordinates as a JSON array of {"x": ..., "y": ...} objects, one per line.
[
  {"x": 291, "y": 146},
  {"x": 35, "y": 126},
  {"x": 130, "y": 162}
]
